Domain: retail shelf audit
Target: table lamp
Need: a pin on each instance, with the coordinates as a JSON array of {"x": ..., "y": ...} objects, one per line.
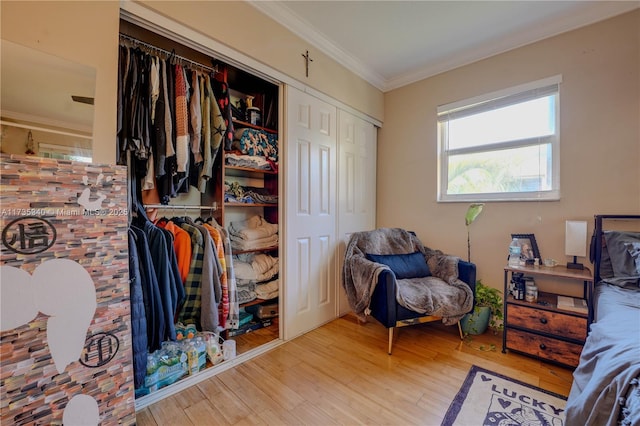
[{"x": 575, "y": 242}]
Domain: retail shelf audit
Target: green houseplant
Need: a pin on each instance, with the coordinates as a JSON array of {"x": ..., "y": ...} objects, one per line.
[
  {"x": 473, "y": 211},
  {"x": 487, "y": 311},
  {"x": 488, "y": 300}
]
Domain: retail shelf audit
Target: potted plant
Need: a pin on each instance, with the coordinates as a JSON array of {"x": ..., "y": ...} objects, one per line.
[
  {"x": 486, "y": 313},
  {"x": 488, "y": 300}
]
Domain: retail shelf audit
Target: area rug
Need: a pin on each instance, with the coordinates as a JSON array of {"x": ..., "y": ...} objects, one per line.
[{"x": 488, "y": 398}]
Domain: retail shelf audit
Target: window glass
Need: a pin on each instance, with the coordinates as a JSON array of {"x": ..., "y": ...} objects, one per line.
[{"x": 501, "y": 148}]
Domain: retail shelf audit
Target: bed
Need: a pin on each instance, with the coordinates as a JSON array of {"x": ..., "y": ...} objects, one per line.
[{"x": 606, "y": 389}]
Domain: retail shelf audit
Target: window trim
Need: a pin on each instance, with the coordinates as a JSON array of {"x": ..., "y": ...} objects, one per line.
[{"x": 495, "y": 99}]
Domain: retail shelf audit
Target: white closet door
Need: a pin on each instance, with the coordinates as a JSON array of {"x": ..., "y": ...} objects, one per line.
[
  {"x": 310, "y": 221},
  {"x": 356, "y": 186}
]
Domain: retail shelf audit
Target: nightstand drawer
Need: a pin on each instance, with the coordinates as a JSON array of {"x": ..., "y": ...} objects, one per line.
[
  {"x": 554, "y": 323},
  {"x": 544, "y": 347}
]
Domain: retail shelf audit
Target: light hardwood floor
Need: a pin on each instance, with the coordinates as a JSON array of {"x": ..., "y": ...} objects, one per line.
[{"x": 341, "y": 374}]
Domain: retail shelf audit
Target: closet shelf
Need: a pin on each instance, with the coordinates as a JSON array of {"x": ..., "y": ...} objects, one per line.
[
  {"x": 242, "y": 171},
  {"x": 253, "y": 302},
  {"x": 179, "y": 207},
  {"x": 250, "y": 205},
  {"x": 260, "y": 250}
]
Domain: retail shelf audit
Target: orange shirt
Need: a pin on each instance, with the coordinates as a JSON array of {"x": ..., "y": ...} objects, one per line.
[{"x": 182, "y": 246}]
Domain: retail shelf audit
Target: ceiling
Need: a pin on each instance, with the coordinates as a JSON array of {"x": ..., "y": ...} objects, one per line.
[
  {"x": 37, "y": 88},
  {"x": 393, "y": 43}
]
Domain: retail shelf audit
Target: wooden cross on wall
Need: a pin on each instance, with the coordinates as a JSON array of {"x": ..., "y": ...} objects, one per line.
[{"x": 307, "y": 59}]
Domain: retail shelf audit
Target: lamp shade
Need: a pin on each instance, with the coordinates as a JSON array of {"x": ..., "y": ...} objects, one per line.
[{"x": 575, "y": 238}]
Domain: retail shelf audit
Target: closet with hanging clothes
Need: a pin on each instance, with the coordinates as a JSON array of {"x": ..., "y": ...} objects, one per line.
[
  {"x": 329, "y": 192},
  {"x": 178, "y": 109}
]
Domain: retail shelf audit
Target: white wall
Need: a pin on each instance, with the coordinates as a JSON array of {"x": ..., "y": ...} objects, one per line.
[{"x": 600, "y": 144}]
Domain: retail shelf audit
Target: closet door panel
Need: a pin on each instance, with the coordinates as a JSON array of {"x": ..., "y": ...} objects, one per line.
[
  {"x": 356, "y": 186},
  {"x": 310, "y": 164},
  {"x": 303, "y": 301},
  {"x": 325, "y": 207},
  {"x": 324, "y": 288},
  {"x": 303, "y": 186}
]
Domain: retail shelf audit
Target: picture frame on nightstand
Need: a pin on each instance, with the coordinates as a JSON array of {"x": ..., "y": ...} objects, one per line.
[{"x": 529, "y": 247}]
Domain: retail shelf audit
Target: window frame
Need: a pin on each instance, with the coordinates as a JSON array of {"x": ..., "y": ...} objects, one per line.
[{"x": 487, "y": 102}]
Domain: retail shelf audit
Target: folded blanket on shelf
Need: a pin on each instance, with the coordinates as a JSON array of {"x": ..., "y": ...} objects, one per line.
[
  {"x": 246, "y": 295},
  {"x": 250, "y": 161},
  {"x": 261, "y": 243},
  {"x": 254, "y": 228},
  {"x": 262, "y": 269},
  {"x": 267, "y": 290},
  {"x": 256, "y": 142},
  {"x": 260, "y": 262},
  {"x": 231, "y": 198},
  {"x": 236, "y": 193},
  {"x": 260, "y": 195}
]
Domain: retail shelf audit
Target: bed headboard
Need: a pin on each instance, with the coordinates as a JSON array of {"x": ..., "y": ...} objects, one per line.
[{"x": 603, "y": 223}]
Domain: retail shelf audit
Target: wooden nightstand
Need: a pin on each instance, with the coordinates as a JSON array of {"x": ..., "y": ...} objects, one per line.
[{"x": 541, "y": 329}]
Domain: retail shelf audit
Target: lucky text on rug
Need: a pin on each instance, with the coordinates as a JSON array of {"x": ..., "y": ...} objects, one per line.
[{"x": 488, "y": 398}]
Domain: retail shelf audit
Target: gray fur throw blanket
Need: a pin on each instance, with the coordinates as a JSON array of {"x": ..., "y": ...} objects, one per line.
[{"x": 448, "y": 297}]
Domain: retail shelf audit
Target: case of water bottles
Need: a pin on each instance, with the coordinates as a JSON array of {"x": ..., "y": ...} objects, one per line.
[{"x": 177, "y": 359}]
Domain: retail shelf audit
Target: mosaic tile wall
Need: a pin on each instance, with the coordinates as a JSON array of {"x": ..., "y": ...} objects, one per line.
[{"x": 62, "y": 354}]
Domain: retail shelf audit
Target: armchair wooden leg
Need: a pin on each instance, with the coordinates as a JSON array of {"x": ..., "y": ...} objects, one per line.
[
  {"x": 390, "y": 339},
  {"x": 460, "y": 331}
]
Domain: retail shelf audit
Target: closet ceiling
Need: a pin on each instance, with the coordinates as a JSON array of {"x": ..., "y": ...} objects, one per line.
[{"x": 394, "y": 43}]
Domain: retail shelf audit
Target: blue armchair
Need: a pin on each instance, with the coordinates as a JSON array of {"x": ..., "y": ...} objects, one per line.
[
  {"x": 391, "y": 276},
  {"x": 391, "y": 314}
]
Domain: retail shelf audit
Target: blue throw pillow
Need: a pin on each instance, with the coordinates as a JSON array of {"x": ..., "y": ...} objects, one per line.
[{"x": 410, "y": 265}]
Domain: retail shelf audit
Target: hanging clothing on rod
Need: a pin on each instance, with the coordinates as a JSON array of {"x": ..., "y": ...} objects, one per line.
[
  {"x": 165, "y": 54},
  {"x": 170, "y": 118}
]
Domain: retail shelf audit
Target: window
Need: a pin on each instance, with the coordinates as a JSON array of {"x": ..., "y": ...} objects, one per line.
[
  {"x": 501, "y": 146},
  {"x": 62, "y": 152}
]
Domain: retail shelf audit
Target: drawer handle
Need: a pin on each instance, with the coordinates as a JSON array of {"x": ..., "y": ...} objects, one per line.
[
  {"x": 543, "y": 320},
  {"x": 543, "y": 346}
]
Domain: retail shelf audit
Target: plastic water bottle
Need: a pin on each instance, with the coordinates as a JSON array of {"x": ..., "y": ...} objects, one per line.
[
  {"x": 514, "y": 253},
  {"x": 192, "y": 357}
]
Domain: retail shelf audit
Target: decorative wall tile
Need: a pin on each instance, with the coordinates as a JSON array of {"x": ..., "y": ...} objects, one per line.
[{"x": 49, "y": 211}]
